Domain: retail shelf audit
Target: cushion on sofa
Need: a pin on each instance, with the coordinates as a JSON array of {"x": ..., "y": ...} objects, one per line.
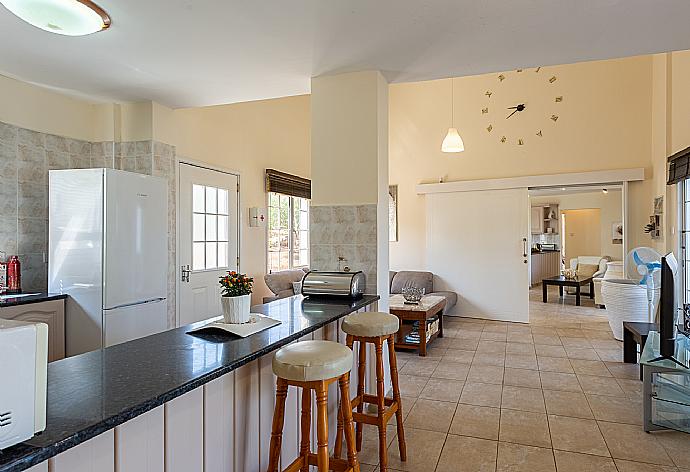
[
  {"x": 586, "y": 270},
  {"x": 282, "y": 280},
  {"x": 412, "y": 278}
]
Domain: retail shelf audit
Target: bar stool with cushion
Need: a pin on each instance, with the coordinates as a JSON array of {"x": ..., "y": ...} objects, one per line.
[
  {"x": 313, "y": 365},
  {"x": 375, "y": 328}
]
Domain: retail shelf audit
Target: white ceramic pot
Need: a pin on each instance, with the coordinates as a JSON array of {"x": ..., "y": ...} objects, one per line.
[
  {"x": 625, "y": 300},
  {"x": 236, "y": 309}
]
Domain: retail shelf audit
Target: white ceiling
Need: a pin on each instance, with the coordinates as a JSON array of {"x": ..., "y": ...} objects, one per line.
[{"x": 205, "y": 52}]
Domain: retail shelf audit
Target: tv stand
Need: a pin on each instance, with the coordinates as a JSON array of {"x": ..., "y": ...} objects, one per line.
[{"x": 666, "y": 384}]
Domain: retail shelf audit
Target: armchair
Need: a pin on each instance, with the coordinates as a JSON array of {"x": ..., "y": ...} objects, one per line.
[{"x": 598, "y": 275}]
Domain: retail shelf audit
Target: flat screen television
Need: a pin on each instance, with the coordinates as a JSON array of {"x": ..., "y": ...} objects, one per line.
[{"x": 667, "y": 306}]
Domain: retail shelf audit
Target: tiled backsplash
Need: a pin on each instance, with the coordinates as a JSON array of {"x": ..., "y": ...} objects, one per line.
[
  {"x": 347, "y": 231},
  {"x": 26, "y": 156}
]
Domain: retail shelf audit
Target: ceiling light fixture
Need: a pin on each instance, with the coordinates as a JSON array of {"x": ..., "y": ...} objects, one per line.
[
  {"x": 452, "y": 142},
  {"x": 65, "y": 17},
  {"x": 605, "y": 190}
]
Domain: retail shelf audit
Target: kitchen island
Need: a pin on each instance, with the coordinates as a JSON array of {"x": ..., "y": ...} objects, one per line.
[{"x": 175, "y": 401}]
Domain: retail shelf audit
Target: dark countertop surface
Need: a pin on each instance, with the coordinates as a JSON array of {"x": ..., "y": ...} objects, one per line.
[
  {"x": 24, "y": 299},
  {"x": 96, "y": 391},
  {"x": 544, "y": 251}
]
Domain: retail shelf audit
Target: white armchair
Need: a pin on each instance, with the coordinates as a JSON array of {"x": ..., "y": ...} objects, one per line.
[{"x": 600, "y": 261}]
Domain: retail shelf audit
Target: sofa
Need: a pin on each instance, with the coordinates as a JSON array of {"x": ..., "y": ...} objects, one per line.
[
  {"x": 598, "y": 272},
  {"x": 281, "y": 283},
  {"x": 413, "y": 278}
]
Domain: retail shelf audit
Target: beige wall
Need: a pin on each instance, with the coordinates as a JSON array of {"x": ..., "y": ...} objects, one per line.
[
  {"x": 611, "y": 211},
  {"x": 604, "y": 123},
  {"x": 582, "y": 233},
  {"x": 248, "y": 138}
]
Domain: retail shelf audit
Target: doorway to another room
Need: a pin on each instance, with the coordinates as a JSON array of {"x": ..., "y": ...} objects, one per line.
[{"x": 577, "y": 236}]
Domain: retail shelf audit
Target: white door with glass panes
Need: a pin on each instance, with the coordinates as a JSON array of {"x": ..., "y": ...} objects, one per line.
[
  {"x": 288, "y": 232},
  {"x": 208, "y": 239}
]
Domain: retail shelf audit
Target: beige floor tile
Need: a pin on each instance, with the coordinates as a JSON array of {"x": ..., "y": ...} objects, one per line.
[
  {"x": 430, "y": 415},
  {"x": 581, "y": 353},
  {"x": 606, "y": 344},
  {"x": 576, "y": 343},
  {"x": 467, "y": 344},
  {"x": 571, "y": 333},
  {"x": 575, "y": 462},
  {"x": 465, "y": 454},
  {"x": 489, "y": 336},
  {"x": 486, "y": 374},
  {"x": 444, "y": 342},
  {"x": 420, "y": 368},
  {"x": 423, "y": 451},
  {"x": 411, "y": 385},
  {"x": 407, "y": 404},
  {"x": 451, "y": 370},
  {"x": 560, "y": 381},
  {"x": 434, "y": 352},
  {"x": 495, "y": 327},
  {"x": 477, "y": 421},
  {"x": 521, "y": 378},
  {"x": 630, "y": 442},
  {"x": 610, "y": 355},
  {"x": 600, "y": 385},
  {"x": 628, "y": 466},
  {"x": 616, "y": 409},
  {"x": 624, "y": 371},
  {"x": 518, "y": 348},
  {"x": 521, "y": 398},
  {"x": 677, "y": 446},
  {"x": 489, "y": 358},
  {"x": 481, "y": 394},
  {"x": 550, "y": 351},
  {"x": 555, "y": 364},
  {"x": 577, "y": 435},
  {"x": 567, "y": 404},
  {"x": 631, "y": 388},
  {"x": 598, "y": 334},
  {"x": 491, "y": 347},
  {"x": 458, "y": 355},
  {"x": 520, "y": 361},
  {"x": 442, "y": 390},
  {"x": 518, "y": 338},
  {"x": 552, "y": 340},
  {"x": 585, "y": 367},
  {"x": 520, "y": 458},
  {"x": 524, "y": 427},
  {"x": 365, "y": 467}
]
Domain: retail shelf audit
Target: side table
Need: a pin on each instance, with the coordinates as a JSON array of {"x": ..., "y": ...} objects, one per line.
[{"x": 635, "y": 334}]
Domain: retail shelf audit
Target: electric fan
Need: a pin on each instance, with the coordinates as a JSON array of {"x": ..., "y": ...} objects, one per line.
[{"x": 643, "y": 264}]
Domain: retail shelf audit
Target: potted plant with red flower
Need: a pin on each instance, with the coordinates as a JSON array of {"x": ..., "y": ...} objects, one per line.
[{"x": 235, "y": 297}]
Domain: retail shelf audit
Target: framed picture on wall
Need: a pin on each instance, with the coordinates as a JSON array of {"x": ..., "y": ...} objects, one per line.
[
  {"x": 617, "y": 233},
  {"x": 658, "y": 205},
  {"x": 392, "y": 213}
]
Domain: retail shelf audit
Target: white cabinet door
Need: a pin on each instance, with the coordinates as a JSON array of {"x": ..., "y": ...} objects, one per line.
[
  {"x": 135, "y": 321},
  {"x": 537, "y": 220},
  {"x": 208, "y": 239}
]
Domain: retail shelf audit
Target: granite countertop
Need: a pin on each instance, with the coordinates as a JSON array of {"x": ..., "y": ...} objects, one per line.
[
  {"x": 24, "y": 299},
  {"x": 96, "y": 391}
]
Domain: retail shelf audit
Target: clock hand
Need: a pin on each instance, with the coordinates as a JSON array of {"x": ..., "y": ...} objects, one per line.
[{"x": 515, "y": 111}]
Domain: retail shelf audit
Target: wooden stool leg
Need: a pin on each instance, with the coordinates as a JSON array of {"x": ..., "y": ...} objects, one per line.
[
  {"x": 361, "y": 373},
  {"x": 337, "y": 451},
  {"x": 380, "y": 397},
  {"x": 305, "y": 429},
  {"x": 396, "y": 396},
  {"x": 278, "y": 419},
  {"x": 322, "y": 426},
  {"x": 346, "y": 414}
]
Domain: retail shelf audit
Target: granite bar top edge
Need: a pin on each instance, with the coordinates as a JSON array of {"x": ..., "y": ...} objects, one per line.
[
  {"x": 29, "y": 299},
  {"x": 41, "y": 454}
]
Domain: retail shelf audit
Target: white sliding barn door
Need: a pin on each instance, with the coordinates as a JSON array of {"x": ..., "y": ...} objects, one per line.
[{"x": 478, "y": 246}]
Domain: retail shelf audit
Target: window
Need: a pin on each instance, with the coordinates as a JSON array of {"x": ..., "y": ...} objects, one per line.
[
  {"x": 288, "y": 232},
  {"x": 210, "y": 226}
]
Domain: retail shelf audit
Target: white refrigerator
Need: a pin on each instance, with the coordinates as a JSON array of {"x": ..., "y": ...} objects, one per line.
[{"x": 108, "y": 250}]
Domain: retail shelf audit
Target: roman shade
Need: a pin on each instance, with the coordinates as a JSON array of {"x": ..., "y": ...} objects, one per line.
[
  {"x": 287, "y": 184},
  {"x": 679, "y": 166}
]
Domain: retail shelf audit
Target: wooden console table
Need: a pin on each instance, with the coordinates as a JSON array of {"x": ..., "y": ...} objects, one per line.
[{"x": 428, "y": 307}]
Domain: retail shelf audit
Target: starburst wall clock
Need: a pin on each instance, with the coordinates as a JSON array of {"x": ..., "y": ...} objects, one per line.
[{"x": 523, "y": 106}]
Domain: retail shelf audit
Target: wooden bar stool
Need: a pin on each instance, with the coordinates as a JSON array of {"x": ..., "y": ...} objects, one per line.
[
  {"x": 375, "y": 328},
  {"x": 313, "y": 365}
]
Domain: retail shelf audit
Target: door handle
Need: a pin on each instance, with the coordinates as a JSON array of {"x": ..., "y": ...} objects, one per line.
[
  {"x": 524, "y": 247},
  {"x": 185, "y": 273}
]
